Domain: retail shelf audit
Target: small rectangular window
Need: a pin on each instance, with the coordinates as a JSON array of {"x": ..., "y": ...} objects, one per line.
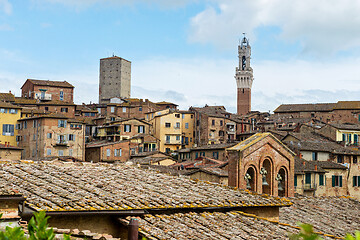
[
  {"x": 48, "y": 151},
  {"x": 108, "y": 152},
  {"x": 70, "y": 152},
  {"x": 49, "y": 135},
  {"x": 140, "y": 129},
  {"x": 64, "y": 109},
  {"x": 213, "y": 122},
  {"x": 167, "y": 125},
  {"x": 340, "y": 159},
  {"x": 61, "y": 153},
  {"x": 187, "y": 125},
  {"x": 124, "y": 109},
  {"x": 177, "y": 138},
  {"x": 177, "y": 125},
  {"x": 177, "y": 115},
  {"x": 295, "y": 181},
  {"x": 356, "y": 181},
  {"x": 314, "y": 156},
  {"x": 321, "y": 179},
  {"x": 71, "y": 137},
  {"x": 336, "y": 181},
  {"x": 61, "y": 96},
  {"x": 140, "y": 109},
  {"x": 127, "y": 128}
]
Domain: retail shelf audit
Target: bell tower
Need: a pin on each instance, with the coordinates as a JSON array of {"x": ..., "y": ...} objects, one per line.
[{"x": 244, "y": 78}]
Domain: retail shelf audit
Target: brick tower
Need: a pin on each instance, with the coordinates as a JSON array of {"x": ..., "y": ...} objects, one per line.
[{"x": 244, "y": 78}]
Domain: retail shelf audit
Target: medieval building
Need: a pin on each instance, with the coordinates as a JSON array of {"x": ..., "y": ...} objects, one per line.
[{"x": 244, "y": 78}]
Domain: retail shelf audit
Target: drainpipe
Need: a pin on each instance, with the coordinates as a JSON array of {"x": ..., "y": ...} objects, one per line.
[{"x": 133, "y": 229}]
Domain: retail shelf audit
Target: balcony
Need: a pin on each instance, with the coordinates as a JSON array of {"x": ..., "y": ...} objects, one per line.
[{"x": 61, "y": 143}]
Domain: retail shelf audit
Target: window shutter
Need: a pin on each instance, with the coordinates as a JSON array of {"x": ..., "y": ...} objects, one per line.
[
  {"x": 333, "y": 181},
  {"x": 59, "y": 139},
  {"x": 65, "y": 124},
  {"x": 354, "y": 181},
  {"x": 340, "y": 178},
  {"x": 11, "y": 129},
  {"x": 358, "y": 183},
  {"x": 59, "y": 123}
]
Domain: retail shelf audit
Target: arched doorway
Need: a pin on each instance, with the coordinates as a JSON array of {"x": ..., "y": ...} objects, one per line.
[
  {"x": 282, "y": 181},
  {"x": 267, "y": 179},
  {"x": 250, "y": 179}
]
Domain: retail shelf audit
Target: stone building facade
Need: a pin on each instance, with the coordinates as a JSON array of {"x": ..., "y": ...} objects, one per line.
[
  {"x": 115, "y": 79},
  {"x": 51, "y": 136},
  {"x": 262, "y": 164},
  {"x": 244, "y": 78},
  {"x": 213, "y": 125}
]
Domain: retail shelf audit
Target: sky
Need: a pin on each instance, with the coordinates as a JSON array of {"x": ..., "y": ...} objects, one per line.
[{"x": 185, "y": 51}]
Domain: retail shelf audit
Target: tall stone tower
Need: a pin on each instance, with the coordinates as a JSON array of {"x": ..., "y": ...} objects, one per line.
[
  {"x": 115, "y": 78},
  {"x": 244, "y": 78}
]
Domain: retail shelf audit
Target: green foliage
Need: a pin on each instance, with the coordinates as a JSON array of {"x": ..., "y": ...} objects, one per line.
[
  {"x": 15, "y": 233},
  {"x": 37, "y": 227},
  {"x": 351, "y": 237},
  {"x": 306, "y": 233}
]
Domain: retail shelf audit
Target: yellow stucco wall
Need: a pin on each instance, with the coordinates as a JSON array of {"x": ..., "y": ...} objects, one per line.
[
  {"x": 339, "y": 135},
  {"x": 9, "y": 118},
  {"x": 160, "y": 130}
]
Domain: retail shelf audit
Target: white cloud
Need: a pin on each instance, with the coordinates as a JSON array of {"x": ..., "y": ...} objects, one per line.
[
  {"x": 196, "y": 82},
  {"x": 6, "y": 7},
  {"x": 322, "y": 27}
]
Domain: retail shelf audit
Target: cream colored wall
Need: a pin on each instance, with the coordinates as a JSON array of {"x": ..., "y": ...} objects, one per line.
[
  {"x": 9, "y": 118},
  {"x": 354, "y": 171},
  {"x": 10, "y": 154},
  {"x": 165, "y": 162},
  {"x": 322, "y": 156}
]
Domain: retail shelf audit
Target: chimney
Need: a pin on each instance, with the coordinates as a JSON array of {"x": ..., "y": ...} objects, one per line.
[
  {"x": 316, "y": 168},
  {"x": 133, "y": 229},
  {"x": 304, "y": 163},
  {"x": 9, "y": 91}
]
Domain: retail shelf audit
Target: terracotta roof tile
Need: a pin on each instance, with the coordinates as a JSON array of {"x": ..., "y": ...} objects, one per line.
[
  {"x": 7, "y": 97},
  {"x": 50, "y": 83},
  {"x": 59, "y": 186},
  {"x": 316, "y": 107}
]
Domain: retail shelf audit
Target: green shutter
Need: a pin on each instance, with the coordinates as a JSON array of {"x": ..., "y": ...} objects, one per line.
[
  {"x": 354, "y": 181},
  {"x": 340, "y": 178},
  {"x": 321, "y": 179},
  {"x": 358, "y": 183},
  {"x": 295, "y": 181},
  {"x": 333, "y": 180}
]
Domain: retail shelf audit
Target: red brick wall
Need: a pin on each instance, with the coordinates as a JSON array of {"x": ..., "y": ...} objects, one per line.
[{"x": 243, "y": 101}]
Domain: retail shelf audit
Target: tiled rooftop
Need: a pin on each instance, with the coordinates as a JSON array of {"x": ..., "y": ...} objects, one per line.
[
  {"x": 58, "y": 186},
  {"x": 207, "y": 225},
  {"x": 316, "y": 107},
  {"x": 330, "y": 215}
]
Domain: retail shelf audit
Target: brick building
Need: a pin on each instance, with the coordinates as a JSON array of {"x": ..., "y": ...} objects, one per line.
[
  {"x": 104, "y": 151},
  {"x": 262, "y": 164},
  {"x": 340, "y": 112},
  {"x": 50, "y": 136},
  {"x": 46, "y": 90}
]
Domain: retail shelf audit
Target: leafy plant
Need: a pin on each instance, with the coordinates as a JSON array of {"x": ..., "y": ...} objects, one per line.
[
  {"x": 351, "y": 237},
  {"x": 306, "y": 233},
  {"x": 37, "y": 227}
]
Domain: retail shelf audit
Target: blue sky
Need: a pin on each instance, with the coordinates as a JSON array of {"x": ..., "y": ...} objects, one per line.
[{"x": 185, "y": 51}]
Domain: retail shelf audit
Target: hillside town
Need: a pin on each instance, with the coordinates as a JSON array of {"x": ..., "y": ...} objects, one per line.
[{"x": 198, "y": 173}]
